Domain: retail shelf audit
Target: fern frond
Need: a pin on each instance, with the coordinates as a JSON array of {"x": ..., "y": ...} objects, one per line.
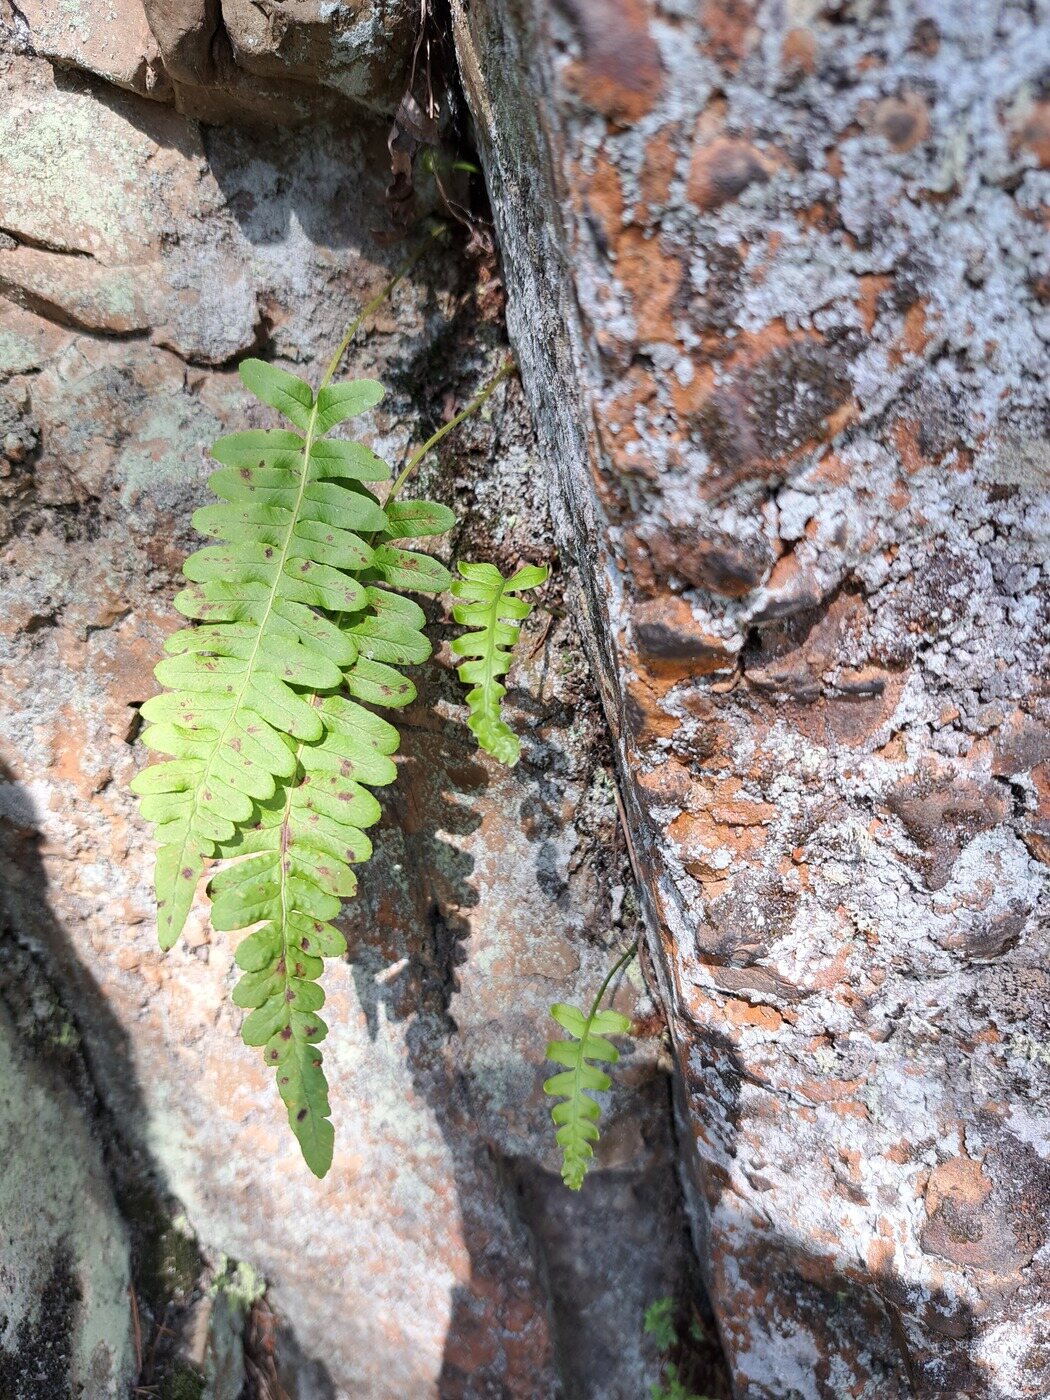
[
  {"x": 302, "y": 544},
  {"x": 289, "y": 873},
  {"x": 494, "y": 615},
  {"x": 577, "y": 1117},
  {"x": 297, "y": 616}
]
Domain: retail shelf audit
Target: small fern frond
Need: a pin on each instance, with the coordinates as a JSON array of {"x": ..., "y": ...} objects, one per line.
[
  {"x": 577, "y": 1118},
  {"x": 494, "y": 615}
]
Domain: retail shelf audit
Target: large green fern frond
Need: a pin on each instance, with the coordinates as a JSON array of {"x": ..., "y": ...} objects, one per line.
[
  {"x": 302, "y": 538},
  {"x": 298, "y": 621},
  {"x": 489, "y": 608}
]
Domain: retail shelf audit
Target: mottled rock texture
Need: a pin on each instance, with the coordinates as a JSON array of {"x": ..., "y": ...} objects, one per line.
[
  {"x": 64, "y": 1320},
  {"x": 142, "y": 254},
  {"x": 254, "y": 61},
  {"x": 778, "y": 282}
]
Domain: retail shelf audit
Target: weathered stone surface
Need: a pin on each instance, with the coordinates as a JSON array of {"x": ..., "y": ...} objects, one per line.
[
  {"x": 64, "y": 1321},
  {"x": 230, "y": 60},
  {"x": 422, "y": 1265},
  {"x": 786, "y": 295}
]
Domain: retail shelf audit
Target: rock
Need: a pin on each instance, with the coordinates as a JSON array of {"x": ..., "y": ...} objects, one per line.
[
  {"x": 76, "y": 291},
  {"x": 492, "y": 893},
  {"x": 64, "y": 1321},
  {"x": 234, "y": 61},
  {"x": 842, "y": 881},
  {"x": 113, "y": 41}
]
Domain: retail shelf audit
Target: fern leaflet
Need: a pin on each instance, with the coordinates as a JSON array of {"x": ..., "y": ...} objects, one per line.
[
  {"x": 494, "y": 615},
  {"x": 576, "y": 1118}
]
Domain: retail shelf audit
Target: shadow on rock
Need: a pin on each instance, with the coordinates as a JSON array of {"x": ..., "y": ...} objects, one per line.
[{"x": 96, "y": 1249}]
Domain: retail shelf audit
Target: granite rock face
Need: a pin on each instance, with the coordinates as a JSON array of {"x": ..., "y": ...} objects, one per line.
[
  {"x": 231, "y": 60},
  {"x": 65, "y": 1326},
  {"x": 778, "y": 283},
  {"x": 142, "y": 254},
  {"x": 783, "y": 326}
]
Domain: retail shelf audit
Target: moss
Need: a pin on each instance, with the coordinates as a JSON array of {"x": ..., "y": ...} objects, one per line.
[
  {"x": 183, "y": 1384},
  {"x": 167, "y": 1263}
]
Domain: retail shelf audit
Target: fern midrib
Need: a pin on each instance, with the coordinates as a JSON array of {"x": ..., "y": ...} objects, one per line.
[
  {"x": 490, "y": 653},
  {"x": 596, "y": 1004},
  {"x": 286, "y": 831},
  {"x": 577, "y": 1073},
  {"x": 249, "y": 670}
]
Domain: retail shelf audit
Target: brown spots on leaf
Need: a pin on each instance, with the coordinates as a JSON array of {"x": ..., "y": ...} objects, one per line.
[
  {"x": 187, "y": 873},
  {"x": 301, "y": 1115},
  {"x": 286, "y": 1033}
]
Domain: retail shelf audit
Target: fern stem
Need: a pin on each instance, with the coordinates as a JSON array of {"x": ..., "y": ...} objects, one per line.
[
  {"x": 505, "y": 371},
  {"x": 621, "y": 962},
  {"x": 378, "y": 300}
]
